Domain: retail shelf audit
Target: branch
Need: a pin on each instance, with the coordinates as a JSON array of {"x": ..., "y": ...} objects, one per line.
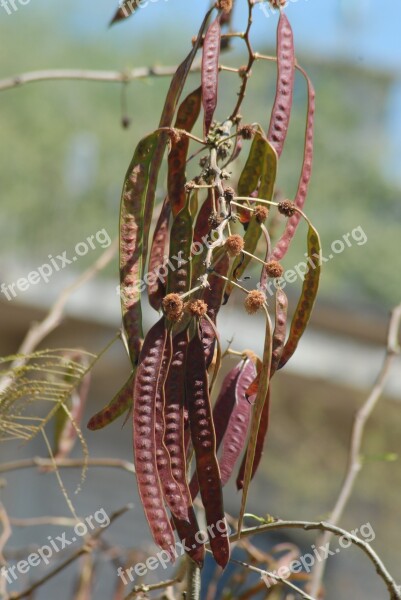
[
  {"x": 354, "y": 458},
  {"x": 86, "y": 548},
  {"x": 38, "y": 331},
  {"x": 394, "y": 590},
  {"x": 87, "y": 75},
  {"x": 69, "y": 463}
]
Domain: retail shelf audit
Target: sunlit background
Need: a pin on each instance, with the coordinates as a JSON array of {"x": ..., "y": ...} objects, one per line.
[{"x": 63, "y": 156}]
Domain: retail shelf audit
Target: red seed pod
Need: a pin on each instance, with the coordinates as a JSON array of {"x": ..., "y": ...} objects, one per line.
[
  {"x": 144, "y": 423},
  {"x": 187, "y": 115},
  {"x": 174, "y": 442},
  {"x": 260, "y": 442},
  {"x": 202, "y": 223},
  {"x": 171, "y": 490},
  {"x": 157, "y": 278},
  {"x": 121, "y": 402},
  {"x": 210, "y": 72},
  {"x": 213, "y": 296},
  {"x": 235, "y": 436},
  {"x": 222, "y": 410},
  {"x": 279, "y": 334},
  {"x": 283, "y": 244},
  {"x": 281, "y": 112},
  {"x": 204, "y": 444}
]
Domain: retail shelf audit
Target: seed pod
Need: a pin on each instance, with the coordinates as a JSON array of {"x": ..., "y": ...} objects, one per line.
[
  {"x": 132, "y": 218},
  {"x": 174, "y": 442},
  {"x": 277, "y": 350},
  {"x": 260, "y": 442},
  {"x": 213, "y": 297},
  {"x": 306, "y": 173},
  {"x": 144, "y": 421},
  {"x": 210, "y": 72},
  {"x": 281, "y": 112},
  {"x": 279, "y": 332},
  {"x": 157, "y": 285},
  {"x": 121, "y": 402},
  {"x": 202, "y": 223},
  {"x": 171, "y": 490},
  {"x": 222, "y": 410},
  {"x": 187, "y": 115},
  {"x": 258, "y": 406},
  {"x": 235, "y": 436},
  {"x": 204, "y": 443},
  {"x": 307, "y": 299},
  {"x": 179, "y": 279}
]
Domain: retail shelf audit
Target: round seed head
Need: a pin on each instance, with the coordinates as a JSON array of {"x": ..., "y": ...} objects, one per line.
[
  {"x": 197, "y": 308},
  {"x": 287, "y": 208},
  {"x": 254, "y": 301},
  {"x": 234, "y": 245},
  {"x": 225, "y": 5},
  {"x": 173, "y": 307},
  {"x": 261, "y": 213},
  {"x": 274, "y": 269},
  {"x": 247, "y": 132}
]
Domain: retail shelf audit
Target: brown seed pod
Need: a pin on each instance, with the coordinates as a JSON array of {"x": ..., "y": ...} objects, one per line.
[
  {"x": 204, "y": 443},
  {"x": 174, "y": 408},
  {"x": 287, "y": 208},
  {"x": 173, "y": 307},
  {"x": 254, "y": 301},
  {"x": 144, "y": 421},
  {"x": 234, "y": 244},
  {"x": 274, "y": 269}
]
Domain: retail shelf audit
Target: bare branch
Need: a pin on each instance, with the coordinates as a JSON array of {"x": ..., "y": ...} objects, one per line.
[
  {"x": 354, "y": 458},
  {"x": 394, "y": 590},
  {"x": 68, "y": 463},
  {"x": 38, "y": 331}
]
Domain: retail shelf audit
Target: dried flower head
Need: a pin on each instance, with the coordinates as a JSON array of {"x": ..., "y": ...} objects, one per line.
[
  {"x": 197, "y": 308},
  {"x": 229, "y": 193},
  {"x": 261, "y": 213},
  {"x": 173, "y": 307},
  {"x": 175, "y": 135},
  {"x": 274, "y": 269},
  {"x": 278, "y": 3},
  {"x": 225, "y": 5},
  {"x": 246, "y": 132},
  {"x": 287, "y": 208},
  {"x": 254, "y": 301},
  {"x": 190, "y": 185},
  {"x": 214, "y": 220},
  {"x": 234, "y": 245}
]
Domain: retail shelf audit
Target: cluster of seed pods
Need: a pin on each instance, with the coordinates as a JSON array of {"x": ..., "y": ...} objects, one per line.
[{"x": 207, "y": 235}]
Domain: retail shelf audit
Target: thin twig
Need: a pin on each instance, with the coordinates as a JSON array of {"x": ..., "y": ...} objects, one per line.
[
  {"x": 86, "y": 548},
  {"x": 68, "y": 463},
  {"x": 354, "y": 464},
  {"x": 394, "y": 590},
  {"x": 38, "y": 331}
]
